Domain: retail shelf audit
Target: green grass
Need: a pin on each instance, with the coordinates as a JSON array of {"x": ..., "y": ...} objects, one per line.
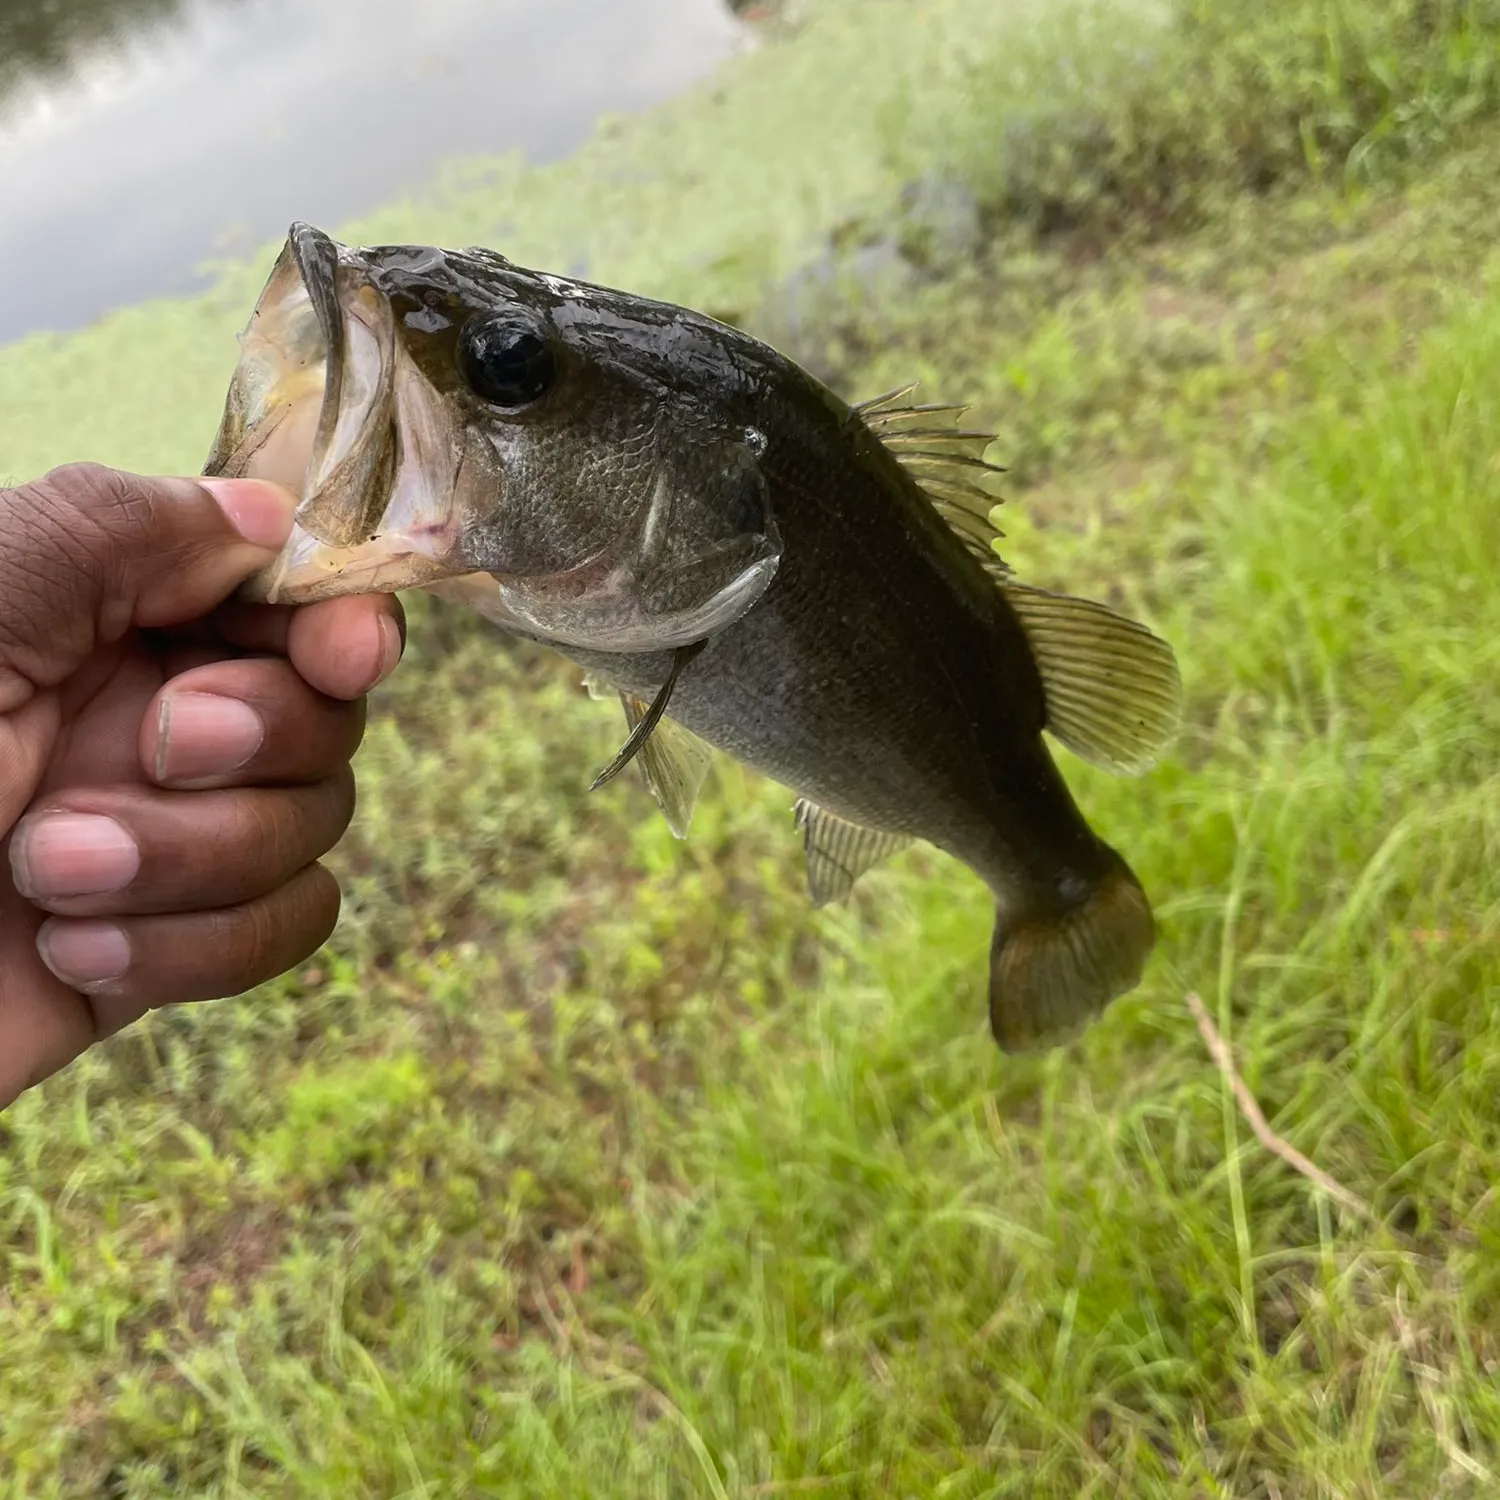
[{"x": 588, "y": 1163}]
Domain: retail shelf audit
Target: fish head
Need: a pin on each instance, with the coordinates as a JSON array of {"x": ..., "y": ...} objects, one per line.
[{"x": 565, "y": 457}]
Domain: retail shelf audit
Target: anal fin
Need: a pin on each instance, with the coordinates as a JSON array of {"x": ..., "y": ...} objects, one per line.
[{"x": 838, "y": 851}]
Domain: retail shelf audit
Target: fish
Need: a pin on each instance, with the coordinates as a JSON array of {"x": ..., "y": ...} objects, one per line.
[{"x": 748, "y": 563}]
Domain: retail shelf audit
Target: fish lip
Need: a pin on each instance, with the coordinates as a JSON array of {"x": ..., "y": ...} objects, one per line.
[
  {"x": 315, "y": 257},
  {"x": 345, "y": 302},
  {"x": 310, "y": 570}
]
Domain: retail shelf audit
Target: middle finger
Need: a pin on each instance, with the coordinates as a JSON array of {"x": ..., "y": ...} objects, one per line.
[{"x": 246, "y": 722}]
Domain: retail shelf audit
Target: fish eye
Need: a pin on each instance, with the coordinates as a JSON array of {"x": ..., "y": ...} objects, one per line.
[{"x": 506, "y": 363}]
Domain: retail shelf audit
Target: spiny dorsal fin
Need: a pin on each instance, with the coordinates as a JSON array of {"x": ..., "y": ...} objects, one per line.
[
  {"x": 838, "y": 851},
  {"x": 1114, "y": 694},
  {"x": 674, "y": 762},
  {"x": 947, "y": 462}
]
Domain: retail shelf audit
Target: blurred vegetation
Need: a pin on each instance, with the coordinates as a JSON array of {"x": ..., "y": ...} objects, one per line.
[
  {"x": 588, "y": 1163},
  {"x": 1129, "y": 130}
]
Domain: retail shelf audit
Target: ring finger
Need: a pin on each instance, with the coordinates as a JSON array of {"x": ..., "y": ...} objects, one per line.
[
  {"x": 139, "y": 851},
  {"x": 235, "y": 723}
]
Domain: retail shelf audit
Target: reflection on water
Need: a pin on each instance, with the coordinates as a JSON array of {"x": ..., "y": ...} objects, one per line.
[
  {"x": 139, "y": 137},
  {"x": 39, "y": 38}
]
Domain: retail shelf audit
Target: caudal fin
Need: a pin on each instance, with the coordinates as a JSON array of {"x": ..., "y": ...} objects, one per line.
[{"x": 1052, "y": 971}]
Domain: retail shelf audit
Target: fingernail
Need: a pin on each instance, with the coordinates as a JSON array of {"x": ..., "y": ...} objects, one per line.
[
  {"x": 392, "y": 644},
  {"x": 201, "y": 737},
  {"x": 54, "y": 855},
  {"x": 261, "y": 512},
  {"x": 84, "y": 955}
]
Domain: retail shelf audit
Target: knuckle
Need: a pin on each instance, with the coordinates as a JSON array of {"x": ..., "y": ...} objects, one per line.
[
  {"x": 335, "y": 731},
  {"x": 344, "y": 799},
  {"x": 347, "y": 729},
  {"x": 242, "y": 940},
  {"x": 259, "y": 850},
  {"x": 101, "y": 513},
  {"x": 324, "y": 816},
  {"x": 265, "y": 938},
  {"x": 93, "y": 510},
  {"x": 356, "y": 720},
  {"x": 68, "y": 538},
  {"x": 263, "y": 935},
  {"x": 325, "y": 903},
  {"x": 97, "y": 488},
  {"x": 266, "y": 831},
  {"x": 83, "y": 482},
  {"x": 276, "y": 833},
  {"x": 109, "y": 508},
  {"x": 48, "y": 576}
]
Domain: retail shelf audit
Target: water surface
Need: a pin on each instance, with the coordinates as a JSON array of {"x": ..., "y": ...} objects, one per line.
[{"x": 139, "y": 138}]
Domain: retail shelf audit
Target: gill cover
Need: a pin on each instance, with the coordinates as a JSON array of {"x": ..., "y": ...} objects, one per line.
[{"x": 698, "y": 550}]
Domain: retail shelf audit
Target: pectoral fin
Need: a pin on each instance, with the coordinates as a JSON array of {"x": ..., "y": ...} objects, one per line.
[
  {"x": 648, "y": 721},
  {"x": 674, "y": 762},
  {"x": 838, "y": 851}
]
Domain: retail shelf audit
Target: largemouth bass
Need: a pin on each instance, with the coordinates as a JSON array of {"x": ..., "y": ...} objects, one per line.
[{"x": 746, "y": 560}]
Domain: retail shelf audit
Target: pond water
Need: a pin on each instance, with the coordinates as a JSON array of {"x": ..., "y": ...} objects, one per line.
[{"x": 140, "y": 137}]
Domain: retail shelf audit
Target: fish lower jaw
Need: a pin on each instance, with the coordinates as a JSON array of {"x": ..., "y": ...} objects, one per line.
[{"x": 304, "y": 574}]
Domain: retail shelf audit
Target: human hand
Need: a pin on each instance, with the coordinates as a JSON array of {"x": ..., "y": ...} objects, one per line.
[{"x": 172, "y": 765}]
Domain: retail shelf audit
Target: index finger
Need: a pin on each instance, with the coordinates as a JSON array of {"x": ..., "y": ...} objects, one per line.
[{"x": 341, "y": 647}]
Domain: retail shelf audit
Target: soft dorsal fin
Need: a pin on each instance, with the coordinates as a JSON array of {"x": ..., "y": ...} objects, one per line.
[
  {"x": 948, "y": 463},
  {"x": 838, "y": 851},
  {"x": 1114, "y": 693},
  {"x": 674, "y": 762}
]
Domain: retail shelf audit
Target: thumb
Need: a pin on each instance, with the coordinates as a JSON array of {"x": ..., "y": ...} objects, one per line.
[{"x": 90, "y": 552}]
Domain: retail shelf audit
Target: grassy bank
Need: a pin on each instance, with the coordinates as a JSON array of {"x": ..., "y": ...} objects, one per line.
[{"x": 590, "y": 1163}]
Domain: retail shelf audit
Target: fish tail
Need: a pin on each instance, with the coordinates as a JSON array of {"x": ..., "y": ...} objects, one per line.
[{"x": 1054, "y": 967}]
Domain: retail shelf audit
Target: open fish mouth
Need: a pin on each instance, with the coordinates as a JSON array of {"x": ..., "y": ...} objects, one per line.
[
  {"x": 362, "y": 387},
  {"x": 322, "y": 403}
]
